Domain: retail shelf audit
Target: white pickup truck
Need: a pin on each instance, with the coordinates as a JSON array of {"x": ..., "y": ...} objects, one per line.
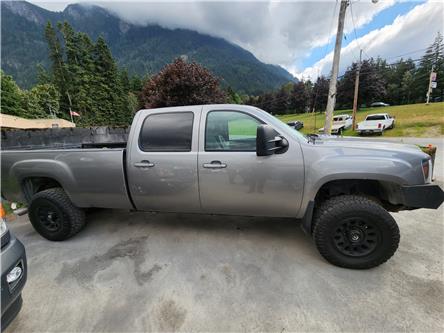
[
  {"x": 376, "y": 123},
  {"x": 340, "y": 123}
]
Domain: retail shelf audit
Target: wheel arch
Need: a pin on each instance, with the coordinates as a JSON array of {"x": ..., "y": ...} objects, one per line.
[
  {"x": 386, "y": 192},
  {"x": 36, "y": 175},
  {"x": 33, "y": 184}
]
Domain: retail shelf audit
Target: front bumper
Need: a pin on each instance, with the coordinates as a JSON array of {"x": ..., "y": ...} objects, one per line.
[
  {"x": 422, "y": 196},
  {"x": 12, "y": 254}
]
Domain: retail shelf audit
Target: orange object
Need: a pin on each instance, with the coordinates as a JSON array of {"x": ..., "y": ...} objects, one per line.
[{"x": 2, "y": 211}]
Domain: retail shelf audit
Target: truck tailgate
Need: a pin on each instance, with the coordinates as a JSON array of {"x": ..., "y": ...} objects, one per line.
[{"x": 90, "y": 177}]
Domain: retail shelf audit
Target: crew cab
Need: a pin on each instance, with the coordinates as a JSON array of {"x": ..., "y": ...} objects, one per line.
[
  {"x": 340, "y": 123},
  {"x": 231, "y": 160},
  {"x": 376, "y": 123}
]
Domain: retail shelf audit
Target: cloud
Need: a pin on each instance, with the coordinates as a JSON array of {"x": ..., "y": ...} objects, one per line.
[
  {"x": 415, "y": 30},
  {"x": 276, "y": 32}
]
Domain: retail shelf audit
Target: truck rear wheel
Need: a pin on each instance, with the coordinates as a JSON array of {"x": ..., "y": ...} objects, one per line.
[
  {"x": 355, "y": 232},
  {"x": 53, "y": 215}
]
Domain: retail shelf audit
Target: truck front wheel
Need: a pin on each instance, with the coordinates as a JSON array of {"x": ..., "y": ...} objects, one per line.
[
  {"x": 53, "y": 215},
  {"x": 355, "y": 232}
]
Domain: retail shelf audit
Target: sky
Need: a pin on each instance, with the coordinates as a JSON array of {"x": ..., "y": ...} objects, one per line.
[{"x": 298, "y": 35}]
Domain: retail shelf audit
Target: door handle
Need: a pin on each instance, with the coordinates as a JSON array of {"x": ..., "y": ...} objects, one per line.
[
  {"x": 144, "y": 164},
  {"x": 215, "y": 165}
]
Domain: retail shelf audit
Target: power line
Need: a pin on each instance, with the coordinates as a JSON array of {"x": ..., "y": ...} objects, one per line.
[
  {"x": 440, "y": 48},
  {"x": 331, "y": 27},
  {"x": 354, "y": 27}
]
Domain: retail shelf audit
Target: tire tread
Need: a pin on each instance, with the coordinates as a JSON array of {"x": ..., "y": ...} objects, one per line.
[
  {"x": 75, "y": 215},
  {"x": 330, "y": 208}
]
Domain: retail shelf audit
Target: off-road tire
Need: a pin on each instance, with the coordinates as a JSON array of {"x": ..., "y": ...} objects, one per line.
[
  {"x": 70, "y": 218},
  {"x": 329, "y": 220}
]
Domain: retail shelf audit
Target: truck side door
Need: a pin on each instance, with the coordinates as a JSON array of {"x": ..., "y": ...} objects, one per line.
[
  {"x": 162, "y": 160},
  {"x": 233, "y": 179}
]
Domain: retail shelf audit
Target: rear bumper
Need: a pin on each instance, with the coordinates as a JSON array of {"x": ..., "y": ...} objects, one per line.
[
  {"x": 12, "y": 254},
  {"x": 422, "y": 196},
  {"x": 369, "y": 131}
]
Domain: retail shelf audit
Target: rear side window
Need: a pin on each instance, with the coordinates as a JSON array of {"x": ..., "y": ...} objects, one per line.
[
  {"x": 376, "y": 117},
  {"x": 167, "y": 132}
]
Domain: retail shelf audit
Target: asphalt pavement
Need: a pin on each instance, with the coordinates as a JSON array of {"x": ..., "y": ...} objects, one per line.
[{"x": 182, "y": 272}]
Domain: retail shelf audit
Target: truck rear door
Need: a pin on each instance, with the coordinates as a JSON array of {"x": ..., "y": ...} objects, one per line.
[{"x": 162, "y": 160}]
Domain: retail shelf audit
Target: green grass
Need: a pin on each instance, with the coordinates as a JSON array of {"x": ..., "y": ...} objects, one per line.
[
  {"x": 415, "y": 120},
  {"x": 242, "y": 127}
]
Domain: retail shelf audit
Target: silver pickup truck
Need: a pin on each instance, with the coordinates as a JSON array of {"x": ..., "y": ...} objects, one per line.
[{"x": 236, "y": 160}]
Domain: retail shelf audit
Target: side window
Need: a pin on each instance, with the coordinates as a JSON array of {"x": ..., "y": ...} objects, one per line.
[
  {"x": 167, "y": 132},
  {"x": 230, "y": 131}
]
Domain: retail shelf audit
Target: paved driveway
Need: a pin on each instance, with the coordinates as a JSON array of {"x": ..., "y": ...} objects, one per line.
[{"x": 178, "y": 272}]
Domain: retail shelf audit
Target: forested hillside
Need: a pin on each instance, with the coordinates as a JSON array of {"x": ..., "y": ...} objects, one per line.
[{"x": 141, "y": 50}]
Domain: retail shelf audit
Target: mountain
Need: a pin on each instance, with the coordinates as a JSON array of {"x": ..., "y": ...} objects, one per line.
[{"x": 141, "y": 49}]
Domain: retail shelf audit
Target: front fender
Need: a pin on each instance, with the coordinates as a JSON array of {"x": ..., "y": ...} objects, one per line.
[
  {"x": 338, "y": 165},
  {"x": 366, "y": 168}
]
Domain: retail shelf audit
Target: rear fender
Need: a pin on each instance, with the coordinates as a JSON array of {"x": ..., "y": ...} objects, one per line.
[{"x": 53, "y": 169}]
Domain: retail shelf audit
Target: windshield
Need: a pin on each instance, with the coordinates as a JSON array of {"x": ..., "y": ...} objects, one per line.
[{"x": 376, "y": 117}]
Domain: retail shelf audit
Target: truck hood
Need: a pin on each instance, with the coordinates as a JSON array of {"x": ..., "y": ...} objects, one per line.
[{"x": 368, "y": 144}]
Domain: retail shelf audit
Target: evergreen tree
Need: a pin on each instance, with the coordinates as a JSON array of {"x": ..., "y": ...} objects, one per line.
[
  {"x": 11, "y": 96},
  {"x": 433, "y": 58},
  {"x": 111, "y": 100},
  {"x": 320, "y": 94},
  {"x": 42, "y": 101},
  {"x": 58, "y": 70},
  {"x": 232, "y": 96},
  {"x": 406, "y": 87},
  {"x": 299, "y": 97}
]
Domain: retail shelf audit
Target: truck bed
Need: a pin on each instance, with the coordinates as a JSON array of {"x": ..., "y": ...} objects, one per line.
[{"x": 91, "y": 177}]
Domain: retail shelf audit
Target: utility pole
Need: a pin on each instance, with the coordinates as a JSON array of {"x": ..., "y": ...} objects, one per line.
[
  {"x": 431, "y": 79},
  {"x": 335, "y": 68},
  {"x": 355, "y": 99}
]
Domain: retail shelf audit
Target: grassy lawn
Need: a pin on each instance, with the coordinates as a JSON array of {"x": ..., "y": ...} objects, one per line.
[{"x": 417, "y": 120}]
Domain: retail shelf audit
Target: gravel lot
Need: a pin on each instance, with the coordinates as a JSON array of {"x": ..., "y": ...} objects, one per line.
[{"x": 181, "y": 272}]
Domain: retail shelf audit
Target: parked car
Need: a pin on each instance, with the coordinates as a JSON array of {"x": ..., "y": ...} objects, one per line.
[
  {"x": 379, "y": 104},
  {"x": 232, "y": 160},
  {"x": 340, "y": 123},
  {"x": 376, "y": 123},
  {"x": 297, "y": 125},
  {"x": 14, "y": 272}
]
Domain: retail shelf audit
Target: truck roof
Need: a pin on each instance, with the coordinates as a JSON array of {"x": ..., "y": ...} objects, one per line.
[
  {"x": 377, "y": 114},
  {"x": 183, "y": 108}
]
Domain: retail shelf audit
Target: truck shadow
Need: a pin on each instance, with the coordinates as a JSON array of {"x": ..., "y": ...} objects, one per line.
[{"x": 115, "y": 220}]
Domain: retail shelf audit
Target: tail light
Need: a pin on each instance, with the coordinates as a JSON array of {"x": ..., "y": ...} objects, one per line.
[
  {"x": 379, "y": 125},
  {"x": 426, "y": 168}
]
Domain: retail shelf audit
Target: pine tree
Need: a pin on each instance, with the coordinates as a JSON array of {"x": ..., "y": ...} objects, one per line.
[
  {"x": 111, "y": 99},
  {"x": 11, "y": 96},
  {"x": 433, "y": 58},
  {"x": 42, "y": 101},
  {"x": 58, "y": 68}
]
